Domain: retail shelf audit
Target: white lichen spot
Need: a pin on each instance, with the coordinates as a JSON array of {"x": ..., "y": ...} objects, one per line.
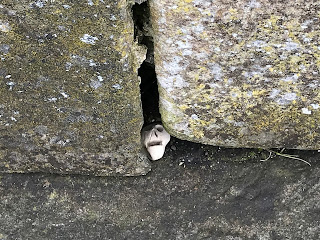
[
  {"x": 234, "y": 94},
  {"x": 4, "y": 48},
  {"x": 4, "y": 26},
  {"x": 290, "y": 96},
  {"x": 172, "y": 82},
  {"x": 162, "y": 20},
  {"x": 10, "y": 84},
  {"x": 92, "y": 63},
  {"x": 100, "y": 78},
  {"x": 66, "y": 6},
  {"x": 305, "y": 111},
  {"x": 169, "y": 41},
  {"x": 173, "y": 67},
  {"x": 88, "y": 39},
  {"x": 306, "y": 40},
  {"x": 63, "y": 143},
  {"x": 68, "y": 66},
  {"x": 187, "y": 52},
  {"x": 216, "y": 71},
  {"x": 287, "y": 98},
  {"x": 184, "y": 44},
  {"x": 52, "y": 99},
  {"x": 201, "y": 55},
  {"x": 254, "y": 4},
  {"x": 39, "y": 4},
  {"x": 90, "y": 3},
  {"x": 291, "y": 46},
  {"x": 259, "y": 44},
  {"x": 305, "y": 24},
  {"x": 315, "y": 106},
  {"x": 62, "y": 28},
  {"x": 13, "y": 119},
  {"x": 95, "y": 84},
  {"x": 113, "y": 18},
  {"x": 195, "y": 117},
  {"x": 204, "y": 4},
  {"x": 314, "y": 84},
  {"x": 117, "y": 86},
  {"x": 198, "y": 29},
  {"x": 292, "y": 78},
  {"x": 65, "y": 95},
  {"x": 274, "y": 93},
  {"x": 217, "y": 49},
  {"x": 232, "y": 68}
]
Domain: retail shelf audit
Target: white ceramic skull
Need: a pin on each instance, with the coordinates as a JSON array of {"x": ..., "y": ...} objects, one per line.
[{"x": 155, "y": 138}]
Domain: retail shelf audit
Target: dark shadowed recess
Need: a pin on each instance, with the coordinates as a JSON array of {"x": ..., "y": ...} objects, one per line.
[{"x": 148, "y": 87}]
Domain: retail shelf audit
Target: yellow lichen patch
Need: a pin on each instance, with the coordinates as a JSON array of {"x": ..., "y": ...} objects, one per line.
[
  {"x": 53, "y": 195},
  {"x": 269, "y": 49},
  {"x": 184, "y": 6},
  {"x": 259, "y": 92},
  {"x": 197, "y": 126},
  {"x": 200, "y": 86},
  {"x": 273, "y": 20},
  {"x": 184, "y": 107},
  {"x": 233, "y": 13}
]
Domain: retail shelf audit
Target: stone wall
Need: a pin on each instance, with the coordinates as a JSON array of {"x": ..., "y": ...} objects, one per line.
[
  {"x": 230, "y": 73},
  {"x": 70, "y": 100},
  {"x": 239, "y": 73}
]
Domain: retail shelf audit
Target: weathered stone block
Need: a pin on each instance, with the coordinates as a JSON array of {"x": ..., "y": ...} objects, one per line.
[
  {"x": 239, "y": 73},
  {"x": 70, "y": 100}
]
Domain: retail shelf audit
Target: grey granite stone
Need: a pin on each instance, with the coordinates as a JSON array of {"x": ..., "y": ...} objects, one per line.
[
  {"x": 195, "y": 192},
  {"x": 239, "y": 73},
  {"x": 70, "y": 97}
]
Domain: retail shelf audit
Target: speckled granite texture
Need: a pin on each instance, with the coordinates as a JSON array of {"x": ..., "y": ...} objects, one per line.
[
  {"x": 70, "y": 100},
  {"x": 239, "y": 73}
]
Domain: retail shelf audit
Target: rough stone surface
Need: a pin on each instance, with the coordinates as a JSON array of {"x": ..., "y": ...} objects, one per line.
[
  {"x": 239, "y": 73},
  {"x": 70, "y": 100},
  {"x": 195, "y": 192}
]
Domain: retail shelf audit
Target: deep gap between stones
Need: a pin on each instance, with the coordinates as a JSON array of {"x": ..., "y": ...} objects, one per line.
[{"x": 148, "y": 86}]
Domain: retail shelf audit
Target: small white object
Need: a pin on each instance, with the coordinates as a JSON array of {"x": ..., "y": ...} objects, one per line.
[{"x": 155, "y": 138}]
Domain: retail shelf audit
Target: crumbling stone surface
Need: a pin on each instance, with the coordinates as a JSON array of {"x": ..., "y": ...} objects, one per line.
[
  {"x": 239, "y": 73},
  {"x": 70, "y": 100},
  {"x": 195, "y": 192}
]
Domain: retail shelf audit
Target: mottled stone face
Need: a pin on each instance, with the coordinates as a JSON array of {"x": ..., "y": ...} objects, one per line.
[
  {"x": 239, "y": 73},
  {"x": 155, "y": 138}
]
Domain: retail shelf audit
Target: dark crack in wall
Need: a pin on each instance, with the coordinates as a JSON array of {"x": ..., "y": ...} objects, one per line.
[{"x": 148, "y": 87}]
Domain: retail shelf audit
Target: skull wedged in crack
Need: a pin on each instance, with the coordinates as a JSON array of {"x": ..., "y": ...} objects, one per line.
[{"x": 155, "y": 138}]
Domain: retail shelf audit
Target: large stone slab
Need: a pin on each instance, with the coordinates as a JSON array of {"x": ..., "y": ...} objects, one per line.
[
  {"x": 194, "y": 192},
  {"x": 239, "y": 73},
  {"x": 70, "y": 100}
]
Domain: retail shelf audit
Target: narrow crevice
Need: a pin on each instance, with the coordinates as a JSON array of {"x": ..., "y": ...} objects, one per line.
[{"x": 148, "y": 86}]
